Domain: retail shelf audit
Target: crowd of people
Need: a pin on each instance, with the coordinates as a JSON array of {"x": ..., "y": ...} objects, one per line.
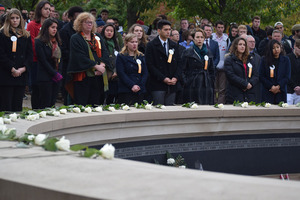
[{"x": 91, "y": 60}]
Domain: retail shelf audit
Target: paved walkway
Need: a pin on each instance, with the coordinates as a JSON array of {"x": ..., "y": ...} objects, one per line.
[{"x": 27, "y": 102}]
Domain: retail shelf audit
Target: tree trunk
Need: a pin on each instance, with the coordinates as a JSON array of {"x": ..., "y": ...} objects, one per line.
[{"x": 131, "y": 16}]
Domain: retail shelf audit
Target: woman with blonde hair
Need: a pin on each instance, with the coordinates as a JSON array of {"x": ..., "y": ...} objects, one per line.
[
  {"x": 132, "y": 72},
  {"x": 15, "y": 57},
  {"x": 88, "y": 62},
  {"x": 141, "y": 35},
  {"x": 242, "y": 75}
]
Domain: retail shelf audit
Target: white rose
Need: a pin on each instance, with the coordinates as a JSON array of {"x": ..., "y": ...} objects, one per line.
[
  {"x": 108, "y": 151},
  {"x": 88, "y": 110},
  {"x": 63, "y": 111},
  {"x": 30, "y": 137},
  {"x": 112, "y": 109},
  {"x": 56, "y": 113},
  {"x": 37, "y": 116},
  {"x": 43, "y": 114},
  {"x": 31, "y": 117},
  {"x": 182, "y": 167},
  {"x": 63, "y": 144},
  {"x": 3, "y": 128},
  {"x": 76, "y": 110},
  {"x": 40, "y": 139},
  {"x": 148, "y": 106},
  {"x": 13, "y": 117},
  {"x": 170, "y": 161},
  {"x": 194, "y": 106},
  {"x": 126, "y": 107},
  {"x": 245, "y": 104},
  {"x": 163, "y": 107},
  {"x": 10, "y": 130},
  {"x": 267, "y": 105},
  {"x": 221, "y": 105},
  {"x": 1, "y": 121},
  {"x": 284, "y": 105},
  {"x": 98, "y": 109},
  {"x": 7, "y": 121}
]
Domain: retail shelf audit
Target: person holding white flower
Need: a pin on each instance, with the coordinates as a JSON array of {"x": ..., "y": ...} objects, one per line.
[
  {"x": 198, "y": 71},
  {"x": 242, "y": 75},
  {"x": 132, "y": 72},
  {"x": 15, "y": 57},
  {"x": 274, "y": 73}
]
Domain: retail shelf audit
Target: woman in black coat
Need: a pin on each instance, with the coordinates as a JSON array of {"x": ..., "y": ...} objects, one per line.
[
  {"x": 242, "y": 76},
  {"x": 132, "y": 72},
  {"x": 88, "y": 62},
  {"x": 110, "y": 39},
  {"x": 198, "y": 72},
  {"x": 48, "y": 54},
  {"x": 274, "y": 73},
  {"x": 15, "y": 57}
]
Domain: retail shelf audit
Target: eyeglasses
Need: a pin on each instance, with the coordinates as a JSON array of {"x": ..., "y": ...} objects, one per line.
[{"x": 88, "y": 23}]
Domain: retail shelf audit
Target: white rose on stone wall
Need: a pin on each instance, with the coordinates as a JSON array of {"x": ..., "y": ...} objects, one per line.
[
  {"x": 63, "y": 111},
  {"x": 40, "y": 139},
  {"x": 63, "y": 144},
  {"x": 13, "y": 117},
  {"x": 108, "y": 151}
]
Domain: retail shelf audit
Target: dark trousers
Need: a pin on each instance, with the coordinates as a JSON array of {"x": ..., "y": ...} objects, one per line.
[
  {"x": 11, "y": 98},
  {"x": 164, "y": 98},
  {"x": 35, "y": 104},
  {"x": 87, "y": 91},
  {"x": 220, "y": 87},
  {"x": 47, "y": 93},
  {"x": 130, "y": 98}
]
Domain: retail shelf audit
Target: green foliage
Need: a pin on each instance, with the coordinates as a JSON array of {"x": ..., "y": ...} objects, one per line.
[
  {"x": 235, "y": 10},
  {"x": 78, "y": 147},
  {"x": 50, "y": 144},
  {"x": 9, "y": 134}
]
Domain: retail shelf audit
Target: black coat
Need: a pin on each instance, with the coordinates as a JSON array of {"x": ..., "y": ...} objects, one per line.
[
  {"x": 65, "y": 34},
  {"x": 79, "y": 55},
  {"x": 295, "y": 73},
  {"x": 46, "y": 64},
  {"x": 281, "y": 77},
  {"x": 237, "y": 80},
  {"x": 127, "y": 70},
  {"x": 8, "y": 59},
  {"x": 198, "y": 83},
  {"x": 158, "y": 66}
]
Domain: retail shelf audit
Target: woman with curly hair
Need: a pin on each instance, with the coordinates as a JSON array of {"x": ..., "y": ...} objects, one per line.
[{"x": 88, "y": 63}]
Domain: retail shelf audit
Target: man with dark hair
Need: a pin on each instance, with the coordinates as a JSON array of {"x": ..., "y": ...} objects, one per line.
[
  {"x": 258, "y": 33},
  {"x": 104, "y": 14},
  {"x": 184, "y": 26},
  {"x": 264, "y": 43},
  {"x": 224, "y": 43},
  {"x": 65, "y": 33},
  {"x": 93, "y": 11},
  {"x": 211, "y": 45},
  {"x": 162, "y": 57},
  {"x": 293, "y": 90}
]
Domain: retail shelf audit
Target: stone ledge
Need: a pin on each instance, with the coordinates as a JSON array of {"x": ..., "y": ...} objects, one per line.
[{"x": 37, "y": 174}]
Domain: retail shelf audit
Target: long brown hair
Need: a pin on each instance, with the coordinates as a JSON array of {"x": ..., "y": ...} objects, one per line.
[
  {"x": 44, "y": 33},
  {"x": 7, "y": 27},
  {"x": 234, "y": 50},
  {"x": 144, "y": 37}
]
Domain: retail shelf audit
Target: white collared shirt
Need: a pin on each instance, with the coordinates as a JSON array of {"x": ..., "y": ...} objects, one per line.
[{"x": 162, "y": 43}]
